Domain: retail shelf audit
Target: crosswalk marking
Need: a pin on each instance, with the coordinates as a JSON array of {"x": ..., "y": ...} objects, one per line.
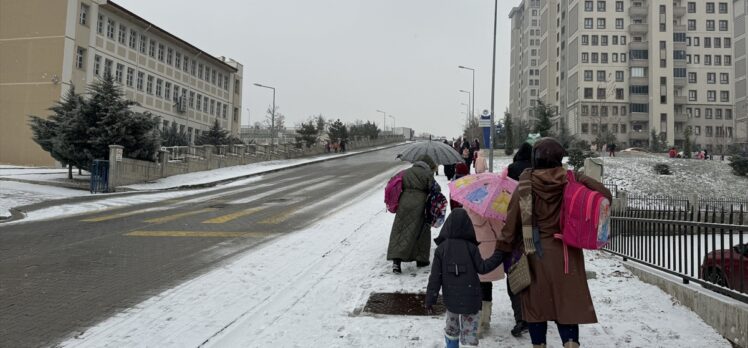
[
  {"x": 196, "y": 234},
  {"x": 233, "y": 216},
  {"x": 279, "y": 218},
  {"x": 173, "y": 217},
  {"x": 119, "y": 215}
]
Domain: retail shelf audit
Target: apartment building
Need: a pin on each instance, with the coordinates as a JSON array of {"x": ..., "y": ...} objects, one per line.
[
  {"x": 740, "y": 8},
  {"x": 48, "y": 46},
  {"x": 525, "y": 74},
  {"x": 627, "y": 67}
]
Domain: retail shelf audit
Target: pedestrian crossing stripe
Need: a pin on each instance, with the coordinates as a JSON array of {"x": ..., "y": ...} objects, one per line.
[
  {"x": 173, "y": 217},
  {"x": 196, "y": 234},
  {"x": 280, "y": 218},
  {"x": 120, "y": 215},
  {"x": 233, "y": 216}
]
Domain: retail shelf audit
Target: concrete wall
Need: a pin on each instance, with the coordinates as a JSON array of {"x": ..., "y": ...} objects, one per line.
[
  {"x": 727, "y": 316},
  {"x": 128, "y": 171}
]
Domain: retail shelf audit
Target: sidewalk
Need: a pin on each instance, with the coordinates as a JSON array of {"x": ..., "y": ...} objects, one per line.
[{"x": 307, "y": 288}]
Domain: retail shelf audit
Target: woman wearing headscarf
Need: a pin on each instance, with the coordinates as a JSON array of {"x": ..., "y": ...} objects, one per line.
[
  {"x": 410, "y": 237},
  {"x": 552, "y": 294}
]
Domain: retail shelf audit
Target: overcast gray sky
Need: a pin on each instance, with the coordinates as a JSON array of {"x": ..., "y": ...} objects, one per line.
[{"x": 347, "y": 58}]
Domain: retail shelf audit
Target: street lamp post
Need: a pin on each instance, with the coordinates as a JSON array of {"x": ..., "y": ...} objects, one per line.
[
  {"x": 472, "y": 110},
  {"x": 384, "y": 119},
  {"x": 272, "y": 120},
  {"x": 493, "y": 86}
]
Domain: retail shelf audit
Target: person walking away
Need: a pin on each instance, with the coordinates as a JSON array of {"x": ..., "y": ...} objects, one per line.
[
  {"x": 521, "y": 161},
  {"x": 552, "y": 295},
  {"x": 457, "y": 264},
  {"x": 342, "y": 145},
  {"x": 461, "y": 169},
  {"x": 612, "y": 150},
  {"x": 466, "y": 154},
  {"x": 481, "y": 165},
  {"x": 449, "y": 169},
  {"x": 474, "y": 148},
  {"x": 410, "y": 235}
]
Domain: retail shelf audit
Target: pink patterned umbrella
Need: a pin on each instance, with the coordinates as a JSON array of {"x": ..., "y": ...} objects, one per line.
[{"x": 486, "y": 194}]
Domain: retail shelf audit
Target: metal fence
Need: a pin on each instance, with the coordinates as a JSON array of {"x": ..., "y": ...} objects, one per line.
[{"x": 702, "y": 244}]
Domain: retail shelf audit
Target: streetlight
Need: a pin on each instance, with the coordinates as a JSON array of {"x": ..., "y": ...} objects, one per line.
[
  {"x": 493, "y": 86},
  {"x": 393, "y": 123},
  {"x": 467, "y": 124},
  {"x": 472, "y": 110},
  {"x": 384, "y": 119},
  {"x": 272, "y": 120}
]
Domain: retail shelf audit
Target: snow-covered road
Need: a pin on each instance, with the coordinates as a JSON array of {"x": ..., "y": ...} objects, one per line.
[{"x": 305, "y": 289}]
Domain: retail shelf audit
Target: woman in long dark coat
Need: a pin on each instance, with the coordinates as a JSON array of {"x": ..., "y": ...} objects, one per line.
[
  {"x": 410, "y": 238},
  {"x": 552, "y": 294}
]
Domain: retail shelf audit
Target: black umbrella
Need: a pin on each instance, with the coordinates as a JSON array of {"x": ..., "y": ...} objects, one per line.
[{"x": 440, "y": 152}]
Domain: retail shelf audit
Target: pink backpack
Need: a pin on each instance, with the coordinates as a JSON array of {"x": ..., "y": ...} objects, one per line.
[
  {"x": 392, "y": 192},
  {"x": 585, "y": 217}
]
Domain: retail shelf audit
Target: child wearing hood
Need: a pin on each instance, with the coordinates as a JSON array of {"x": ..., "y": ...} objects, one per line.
[{"x": 455, "y": 268}]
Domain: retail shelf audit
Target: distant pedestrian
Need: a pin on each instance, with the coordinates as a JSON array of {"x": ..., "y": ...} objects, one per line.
[
  {"x": 612, "y": 150},
  {"x": 672, "y": 153},
  {"x": 480, "y": 162},
  {"x": 457, "y": 263},
  {"x": 700, "y": 155},
  {"x": 342, "y": 145},
  {"x": 449, "y": 169},
  {"x": 410, "y": 235},
  {"x": 553, "y": 294}
]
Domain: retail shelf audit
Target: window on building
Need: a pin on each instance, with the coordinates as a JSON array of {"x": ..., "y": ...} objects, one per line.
[
  {"x": 186, "y": 64},
  {"x": 585, "y": 110},
  {"x": 614, "y": 57},
  {"x": 213, "y": 76},
  {"x": 728, "y": 114},
  {"x": 169, "y": 55},
  {"x": 691, "y": 25},
  {"x": 619, "y": 93},
  {"x": 663, "y": 63},
  {"x": 644, "y": 108},
  {"x": 178, "y": 60},
  {"x": 110, "y": 27},
  {"x": 122, "y": 34},
  {"x": 595, "y": 40},
  {"x": 619, "y": 6},
  {"x": 728, "y": 60},
  {"x": 83, "y": 17},
  {"x": 200, "y": 71},
  {"x": 236, "y": 86},
  {"x": 711, "y": 96},
  {"x": 149, "y": 85},
  {"x": 143, "y": 43},
  {"x": 133, "y": 43},
  {"x": 619, "y": 23},
  {"x": 199, "y": 102},
  {"x": 724, "y": 96},
  {"x": 193, "y": 67},
  {"x": 708, "y": 113},
  {"x": 728, "y": 42},
  {"x": 710, "y": 25},
  {"x": 108, "y": 67},
  {"x": 717, "y": 60},
  {"x": 212, "y": 107},
  {"x": 595, "y": 57},
  {"x": 708, "y": 131},
  {"x": 723, "y": 25},
  {"x": 718, "y": 114},
  {"x": 161, "y": 52},
  {"x": 585, "y": 40},
  {"x": 588, "y": 75},
  {"x": 588, "y": 93},
  {"x": 723, "y": 7},
  {"x": 129, "y": 77},
  {"x": 167, "y": 90},
  {"x": 623, "y": 40},
  {"x": 696, "y": 41},
  {"x": 692, "y": 77},
  {"x": 707, "y": 42},
  {"x": 140, "y": 80},
  {"x": 119, "y": 73},
  {"x": 604, "y": 40},
  {"x": 601, "y": 75},
  {"x": 600, "y": 6},
  {"x": 205, "y": 104},
  {"x": 601, "y": 93},
  {"x": 601, "y": 23},
  {"x": 619, "y": 76},
  {"x": 588, "y": 23},
  {"x": 100, "y": 25},
  {"x": 152, "y": 48},
  {"x": 707, "y": 59},
  {"x": 691, "y": 7},
  {"x": 595, "y": 110},
  {"x": 614, "y": 39},
  {"x": 589, "y": 6},
  {"x": 80, "y": 58},
  {"x": 226, "y": 82},
  {"x": 709, "y": 7},
  {"x": 692, "y": 95},
  {"x": 192, "y": 99},
  {"x": 724, "y": 78},
  {"x": 175, "y": 96},
  {"x": 585, "y": 57}
]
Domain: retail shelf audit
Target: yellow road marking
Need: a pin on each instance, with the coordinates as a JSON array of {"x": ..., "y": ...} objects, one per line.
[
  {"x": 200, "y": 234},
  {"x": 279, "y": 218},
  {"x": 119, "y": 215},
  {"x": 233, "y": 216},
  {"x": 169, "y": 218}
]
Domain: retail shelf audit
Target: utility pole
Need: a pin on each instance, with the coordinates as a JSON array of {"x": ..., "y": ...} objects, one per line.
[{"x": 493, "y": 86}]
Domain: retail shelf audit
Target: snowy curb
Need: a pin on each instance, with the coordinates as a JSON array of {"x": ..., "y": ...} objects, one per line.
[{"x": 128, "y": 188}]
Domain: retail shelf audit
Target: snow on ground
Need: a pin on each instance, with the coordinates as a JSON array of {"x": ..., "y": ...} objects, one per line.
[
  {"x": 15, "y": 194},
  {"x": 706, "y": 179},
  {"x": 204, "y": 177},
  {"x": 305, "y": 289},
  {"x": 119, "y": 200}
]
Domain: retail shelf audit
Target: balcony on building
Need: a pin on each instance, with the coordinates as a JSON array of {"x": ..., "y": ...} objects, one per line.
[
  {"x": 638, "y": 45},
  {"x": 680, "y": 99},
  {"x": 681, "y": 117},
  {"x": 642, "y": 135},
  {"x": 679, "y": 28},
  {"x": 638, "y": 11},
  {"x": 639, "y": 117},
  {"x": 679, "y": 46},
  {"x": 679, "y": 11},
  {"x": 639, "y": 81},
  {"x": 639, "y": 63},
  {"x": 638, "y": 28},
  {"x": 639, "y": 98},
  {"x": 680, "y": 81}
]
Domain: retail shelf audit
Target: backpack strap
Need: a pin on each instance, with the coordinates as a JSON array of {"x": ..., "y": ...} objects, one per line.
[
  {"x": 570, "y": 178},
  {"x": 525, "y": 204}
]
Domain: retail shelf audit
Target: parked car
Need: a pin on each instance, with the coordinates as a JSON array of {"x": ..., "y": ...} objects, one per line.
[{"x": 723, "y": 267}]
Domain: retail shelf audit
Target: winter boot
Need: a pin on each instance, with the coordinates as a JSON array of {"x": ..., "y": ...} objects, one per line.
[
  {"x": 396, "y": 267},
  {"x": 452, "y": 342},
  {"x": 571, "y": 344},
  {"x": 485, "y": 318},
  {"x": 519, "y": 328}
]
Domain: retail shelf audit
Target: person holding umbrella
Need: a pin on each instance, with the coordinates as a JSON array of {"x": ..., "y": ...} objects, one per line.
[{"x": 410, "y": 236}]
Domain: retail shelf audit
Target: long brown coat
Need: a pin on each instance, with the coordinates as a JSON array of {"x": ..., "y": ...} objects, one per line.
[{"x": 552, "y": 295}]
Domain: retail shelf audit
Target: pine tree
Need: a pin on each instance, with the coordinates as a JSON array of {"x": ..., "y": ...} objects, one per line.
[
  {"x": 543, "y": 114},
  {"x": 173, "y": 137},
  {"x": 321, "y": 124},
  {"x": 114, "y": 123},
  {"x": 338, "y": 131},
  {"x": 214, "y": 136},
  {"x": 307, "y": 133},
  {"x": 509, "y": 129}
]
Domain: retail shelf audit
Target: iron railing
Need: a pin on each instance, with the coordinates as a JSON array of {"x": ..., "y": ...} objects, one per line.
[{"x": 696, "y": 244}]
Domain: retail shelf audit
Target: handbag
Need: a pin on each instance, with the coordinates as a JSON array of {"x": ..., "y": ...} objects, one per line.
[{"x": 519, "y": 275}]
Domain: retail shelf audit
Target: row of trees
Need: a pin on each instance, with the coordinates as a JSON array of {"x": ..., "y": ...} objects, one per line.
[
  {"x": 81, "y": 128},
  {"x": 316, "y": 127}
]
